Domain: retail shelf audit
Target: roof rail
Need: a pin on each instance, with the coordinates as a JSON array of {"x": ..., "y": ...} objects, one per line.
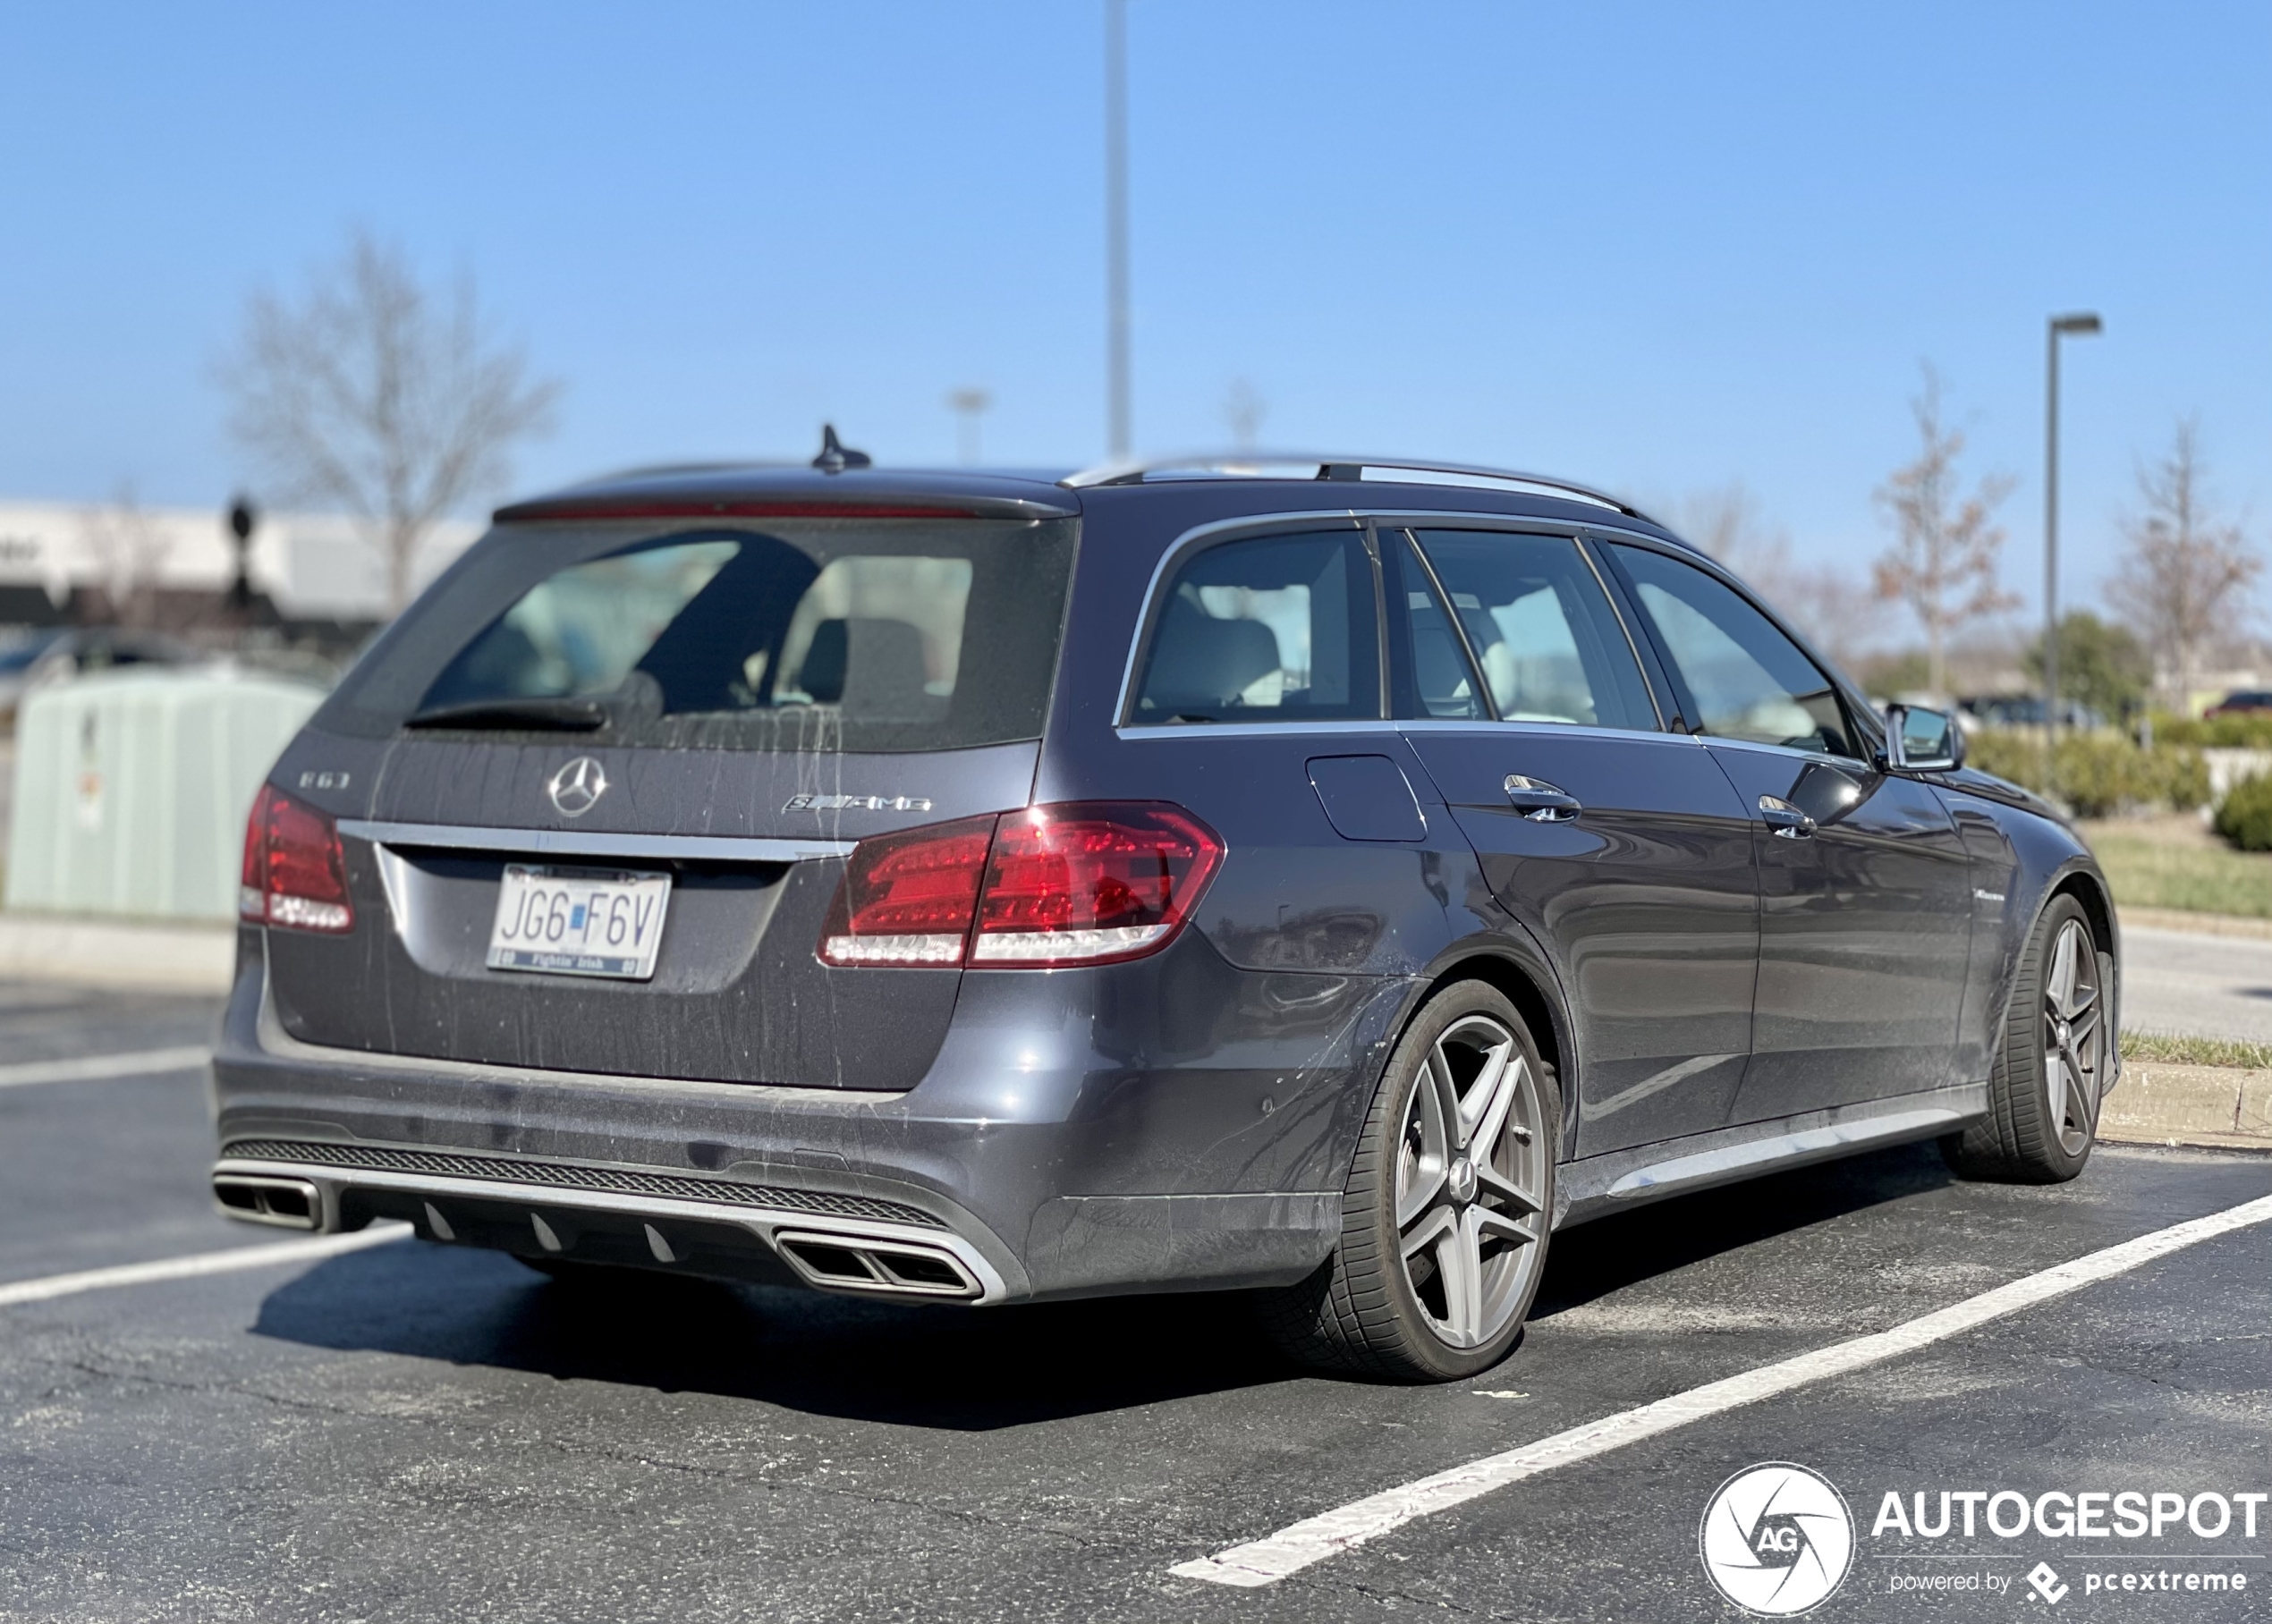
[{"x": 1264, "y": 465}]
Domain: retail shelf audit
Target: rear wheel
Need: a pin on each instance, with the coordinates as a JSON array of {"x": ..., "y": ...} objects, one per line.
[
  {"x": 1444, "y": 1220},
  {"x": 2043, "y": 1094}
]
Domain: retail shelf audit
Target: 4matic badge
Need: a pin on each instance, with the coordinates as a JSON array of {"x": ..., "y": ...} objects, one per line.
[{"x": 1777, "y": 1539}]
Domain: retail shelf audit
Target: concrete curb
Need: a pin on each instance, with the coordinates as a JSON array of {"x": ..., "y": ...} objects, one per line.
[
  {"x": 147, "y": 955},
  {"x": 2196, "y": 924},
  {"x": 2159, "y": 1104}
]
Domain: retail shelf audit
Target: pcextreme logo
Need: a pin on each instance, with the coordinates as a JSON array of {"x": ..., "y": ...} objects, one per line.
[{"x": 1777, "y": 1539}]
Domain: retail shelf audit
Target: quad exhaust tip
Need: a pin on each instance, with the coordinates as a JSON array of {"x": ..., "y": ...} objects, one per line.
[
  {"x": 289, "y": 1204},
  {"x": 895, "y": 1268}
]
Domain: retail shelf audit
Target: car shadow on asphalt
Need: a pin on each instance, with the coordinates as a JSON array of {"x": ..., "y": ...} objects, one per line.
[
  {"x": 946, "y": 1367},
  {"x": 910, "y": 1364},
  {"x": 1596, "y": 1259}
]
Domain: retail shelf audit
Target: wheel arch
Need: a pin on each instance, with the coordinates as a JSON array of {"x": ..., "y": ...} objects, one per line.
[{"x": 1528, "y": 981}]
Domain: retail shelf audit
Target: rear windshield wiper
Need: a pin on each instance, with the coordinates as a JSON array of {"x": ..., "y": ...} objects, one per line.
[{"x": 550, "y": 715}]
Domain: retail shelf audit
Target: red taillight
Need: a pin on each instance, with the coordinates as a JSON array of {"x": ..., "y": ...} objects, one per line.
[
  {"x": 1091, "y": 882},
  {"x": 1087, "y": 883},
  {"x": 295, "y": 874},
  {"x": 908, "y": 898}
]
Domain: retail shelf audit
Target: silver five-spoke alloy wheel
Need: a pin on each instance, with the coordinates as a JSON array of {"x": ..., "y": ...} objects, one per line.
[
  {"x": 2072, "y": 1029},
  {"x": 1471, "y": 1183}
]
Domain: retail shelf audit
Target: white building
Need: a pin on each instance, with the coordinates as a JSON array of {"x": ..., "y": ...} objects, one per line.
[{"x": 315, "y": 566}]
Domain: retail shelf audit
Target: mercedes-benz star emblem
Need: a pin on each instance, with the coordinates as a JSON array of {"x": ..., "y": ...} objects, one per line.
[{"x": 577, "y": 787}]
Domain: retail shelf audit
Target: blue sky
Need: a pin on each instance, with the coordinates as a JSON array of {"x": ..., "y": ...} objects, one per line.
[{"x": 1659, "y": 247}]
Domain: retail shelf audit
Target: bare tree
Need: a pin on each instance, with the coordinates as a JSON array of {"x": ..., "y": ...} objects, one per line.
[
  {"x": 373, "y": 394},
  {"x": 1943, "y": 561},
  {"x": 129, "y": 547},
  {"x": 1731, "y": 524},
  {"x": 2187, "y": 577},
  {"x": 1243, "y": 410}
]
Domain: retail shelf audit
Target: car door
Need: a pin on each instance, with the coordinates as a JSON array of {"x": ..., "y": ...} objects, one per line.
[
  {"x": 1864, "y": 883},
  {"x": 1620, "y": 846}
]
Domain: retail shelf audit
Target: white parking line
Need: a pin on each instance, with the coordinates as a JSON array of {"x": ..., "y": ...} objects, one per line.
[
  {"x": 1265, "y": 1561},
  {"x": 93, "y": 1068},
  {"x": 225, "y": 1261}
]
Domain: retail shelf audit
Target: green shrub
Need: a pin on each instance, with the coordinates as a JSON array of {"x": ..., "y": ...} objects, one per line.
[
  {"x": 2096, "y": 773},
  {"x": 2253, "y": 732},
  {"x": 2245, "y": 815},
  {"x": 2186, "y": 781}
]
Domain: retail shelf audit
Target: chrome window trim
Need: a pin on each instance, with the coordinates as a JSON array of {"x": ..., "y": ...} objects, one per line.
[
  {"x": 1549, "y": 730},
  {"x": 1828, "y": 758},
  {"x": 593, "y": 842}
]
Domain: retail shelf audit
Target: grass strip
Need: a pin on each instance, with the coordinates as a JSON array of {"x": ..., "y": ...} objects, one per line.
[{"x": 2168, "y": 1049}]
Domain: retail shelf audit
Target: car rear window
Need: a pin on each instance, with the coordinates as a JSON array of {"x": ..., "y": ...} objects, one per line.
[{"x": 856, "y": 635}]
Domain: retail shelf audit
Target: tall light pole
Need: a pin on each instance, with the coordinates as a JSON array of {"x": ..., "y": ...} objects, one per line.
[
  {"x": 968, "y": 406},
  {"x": 1116, "y": 407},
  {"x": 2082, "y": 324}
]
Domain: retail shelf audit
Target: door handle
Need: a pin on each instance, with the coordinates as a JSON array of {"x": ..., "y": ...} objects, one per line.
[
  {"x": 1786, "y": 820},
  {"x": 1541, "y": 801}
]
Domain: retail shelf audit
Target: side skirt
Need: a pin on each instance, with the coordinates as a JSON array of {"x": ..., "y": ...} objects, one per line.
[{"x": 1597, "y": 1186}]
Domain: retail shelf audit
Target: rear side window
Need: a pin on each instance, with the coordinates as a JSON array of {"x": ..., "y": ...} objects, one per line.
[
  {"x": 1271, "y": 629},
  {"x": 826, "y": 634},
  {"x": 1550, "y": 648}
]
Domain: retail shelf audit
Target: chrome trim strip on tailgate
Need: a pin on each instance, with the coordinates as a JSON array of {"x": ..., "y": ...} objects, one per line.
[{"x": 593, "y": 842}]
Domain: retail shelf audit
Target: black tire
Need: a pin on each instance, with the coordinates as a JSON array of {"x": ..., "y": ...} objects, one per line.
[
  {"x": 2042, "y": 1122},
  {"x": 1367, "y": 1310}
]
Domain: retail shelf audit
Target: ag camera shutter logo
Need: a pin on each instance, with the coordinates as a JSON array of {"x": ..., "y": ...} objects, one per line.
[{"x": 1777, "y": 1539}]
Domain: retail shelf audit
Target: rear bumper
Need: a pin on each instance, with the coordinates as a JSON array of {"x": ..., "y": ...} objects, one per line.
[{"x": 1032, "y": 1161}]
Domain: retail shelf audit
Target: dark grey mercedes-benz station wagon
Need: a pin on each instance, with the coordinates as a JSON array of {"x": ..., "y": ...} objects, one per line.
[{"x": 1324, "y": 878}]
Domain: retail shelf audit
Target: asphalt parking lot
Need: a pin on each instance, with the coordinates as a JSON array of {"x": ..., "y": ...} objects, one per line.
[{"x": 414, "y": 1432}]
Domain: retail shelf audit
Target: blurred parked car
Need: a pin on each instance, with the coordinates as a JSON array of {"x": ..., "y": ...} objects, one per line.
[
  {"x": 54, "y": 657},
  {"x": 2242, "y": 702},
  {"x": 2026, "y": 710}
]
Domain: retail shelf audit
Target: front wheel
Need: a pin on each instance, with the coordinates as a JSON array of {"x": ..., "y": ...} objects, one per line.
[
  {"x": 1445, "y": 1213},
  {"x": 2050, "y": 1065}
]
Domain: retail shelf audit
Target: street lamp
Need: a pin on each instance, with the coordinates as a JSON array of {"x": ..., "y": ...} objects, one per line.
[
  {"x": 2083, "y": 324},
  {"x": 1117, "y": 404},
  {"x": 967, "y": 405}
]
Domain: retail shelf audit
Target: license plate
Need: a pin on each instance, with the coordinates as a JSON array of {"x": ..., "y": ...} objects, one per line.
[{"x": 579, "y": 921}]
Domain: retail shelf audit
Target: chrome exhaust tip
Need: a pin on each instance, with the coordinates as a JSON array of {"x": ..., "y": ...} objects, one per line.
[
  {"x": 289, "y": 1204},
  {"x": 859, "y": 1263}
]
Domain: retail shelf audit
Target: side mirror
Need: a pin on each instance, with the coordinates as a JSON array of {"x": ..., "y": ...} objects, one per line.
[{"x": 1921, "y": 741}]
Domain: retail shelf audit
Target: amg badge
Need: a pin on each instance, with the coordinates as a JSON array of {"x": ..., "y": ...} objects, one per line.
[{"x": 856, "y": 803}]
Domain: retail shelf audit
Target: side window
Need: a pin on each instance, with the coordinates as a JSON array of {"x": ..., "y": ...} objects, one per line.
[
  {"x": 1273, "y": 629},
  {"x": 1747, "y": 680},
  {"x": 1430, "y": 676},
  {"x": 1549, "y": 646}
]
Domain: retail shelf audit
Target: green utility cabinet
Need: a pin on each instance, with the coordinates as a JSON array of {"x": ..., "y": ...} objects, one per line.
[{"x": 133, "y": 789}]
